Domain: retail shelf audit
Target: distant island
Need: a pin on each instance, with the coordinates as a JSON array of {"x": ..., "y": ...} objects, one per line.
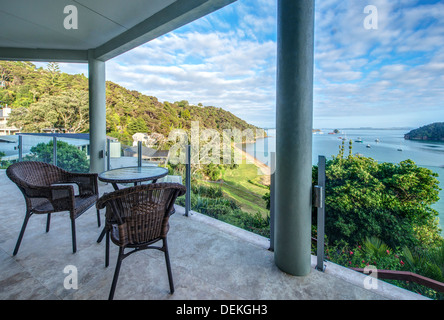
[{"x": 431, "y": 132}]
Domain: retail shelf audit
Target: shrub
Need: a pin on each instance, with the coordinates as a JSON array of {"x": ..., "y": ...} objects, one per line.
[
  {"x": 392, "y": 202},
  {"x": 68, "y": 156}
]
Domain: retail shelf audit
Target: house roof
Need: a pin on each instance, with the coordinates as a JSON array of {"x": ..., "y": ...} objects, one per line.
[{"x": 44, "y": 30}]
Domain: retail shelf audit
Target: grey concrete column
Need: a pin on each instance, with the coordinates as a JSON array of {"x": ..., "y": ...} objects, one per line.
[
  {"x": 294, "y": 121},
  {"x": 97, "y": 114}
]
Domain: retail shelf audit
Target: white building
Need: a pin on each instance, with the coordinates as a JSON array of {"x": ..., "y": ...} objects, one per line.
[{"x": 4, "y": 116}]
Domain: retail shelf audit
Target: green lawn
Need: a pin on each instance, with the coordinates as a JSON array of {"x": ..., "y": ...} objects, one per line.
[{"x": 236, "y": 185}]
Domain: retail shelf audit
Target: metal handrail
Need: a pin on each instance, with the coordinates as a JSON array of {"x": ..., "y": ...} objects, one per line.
[
  {"x": 406, "y": 276},
  {"x": 401, "y": 276}
]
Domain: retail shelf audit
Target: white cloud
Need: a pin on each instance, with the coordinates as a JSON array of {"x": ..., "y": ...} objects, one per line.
[
  {"x": 393, "y": 71},
  {"x": 214, "y": 69},
  {"x": 228, "y": 59}
]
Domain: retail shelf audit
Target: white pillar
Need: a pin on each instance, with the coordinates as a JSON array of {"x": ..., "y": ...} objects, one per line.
[{"x": 97, "y": 114}]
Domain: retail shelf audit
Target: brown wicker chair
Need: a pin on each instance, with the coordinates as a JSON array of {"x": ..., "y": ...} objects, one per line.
[
  {"x": 48, "y": 188},
  {"x": 136, "y": 218}
]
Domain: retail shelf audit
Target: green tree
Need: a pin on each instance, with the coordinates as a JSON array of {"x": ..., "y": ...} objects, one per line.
[
  {"x": 3, "y": 163},
  {"x": 68, "y": 156},
  {"x": 185, "y": 114},
  {"x": 392, "y": 202},
  {"x": 52, "y": 81},
  {"x": 266, "y": 198},
  {"x": 67, "y": 112},
  {"x": 182, "y": 103},
  {"x": 137, "y": 125},
  {"x": 213, "y": 171}
]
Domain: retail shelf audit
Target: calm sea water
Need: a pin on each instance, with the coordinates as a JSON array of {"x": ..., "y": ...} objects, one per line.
[{"x": 425, "y": 154}]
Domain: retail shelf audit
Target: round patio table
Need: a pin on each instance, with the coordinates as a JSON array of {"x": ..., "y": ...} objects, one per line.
[{"x": 132, "y": 175}]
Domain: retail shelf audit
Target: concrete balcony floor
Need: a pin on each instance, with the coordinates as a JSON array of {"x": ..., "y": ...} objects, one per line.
[{"x": 210, "y": 260}]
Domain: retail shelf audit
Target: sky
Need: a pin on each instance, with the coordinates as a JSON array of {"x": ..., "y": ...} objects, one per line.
[{"x": 380, "y": 68}]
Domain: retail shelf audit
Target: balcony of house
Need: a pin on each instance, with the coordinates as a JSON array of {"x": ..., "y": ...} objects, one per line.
[{"x": 211, "y": 260}]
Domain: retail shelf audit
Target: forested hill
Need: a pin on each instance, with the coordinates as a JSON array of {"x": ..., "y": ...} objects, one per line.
[
  {"x": 50, "y": 99},
  {"x": 431, "y": 132}
]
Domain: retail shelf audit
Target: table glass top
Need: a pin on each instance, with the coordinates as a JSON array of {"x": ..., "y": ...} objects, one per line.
[{"x": 134, "y": 173}]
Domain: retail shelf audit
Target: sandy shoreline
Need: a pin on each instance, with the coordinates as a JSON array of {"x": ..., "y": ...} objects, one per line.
[{"x": 249, "y": 159}]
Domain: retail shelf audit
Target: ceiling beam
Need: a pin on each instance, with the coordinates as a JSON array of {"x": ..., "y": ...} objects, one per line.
[
  {"x": 53, "y": 55},
  {"x": 168, "y": 19}
]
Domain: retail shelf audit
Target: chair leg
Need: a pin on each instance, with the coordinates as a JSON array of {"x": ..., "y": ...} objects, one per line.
[
  {"x": 168, "y": 264},
  {"x": 98, "y": 218},
  {"x": 22, "y": 231},
  {"x": 102, "y": 234},
  {"x": 107, "y": 249},
  {"x": 48, "y": 221},
  {"x": 73, "y": 231},
  {"x": 116, "y": 273}
]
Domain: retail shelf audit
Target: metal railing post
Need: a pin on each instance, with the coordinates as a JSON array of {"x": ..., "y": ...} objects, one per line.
[
  {"x": 188, "y": 181},
  {"x": 272, "y": 198},
  {"x": 54, "y": 150},
  {"x": 20, "y": 148},
  {"x": 108, "y": 154},
  {"x": 320, "y": 204},
  {"x": 139, "y": 153}
]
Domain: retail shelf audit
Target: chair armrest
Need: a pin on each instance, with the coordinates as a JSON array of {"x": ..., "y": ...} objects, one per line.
[
  {"x": 101, "y": 202},
  {"x": 87, "y": 182},
  {"x": 60, "y": 196}
]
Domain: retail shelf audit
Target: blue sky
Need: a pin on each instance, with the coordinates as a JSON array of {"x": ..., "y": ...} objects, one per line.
[{"x": 392, "y": 76}]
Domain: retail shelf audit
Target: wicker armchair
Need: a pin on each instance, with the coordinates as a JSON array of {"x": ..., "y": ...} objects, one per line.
[
  {"x": 48, "y": 188},
  {"x": 136, "y": 218}
]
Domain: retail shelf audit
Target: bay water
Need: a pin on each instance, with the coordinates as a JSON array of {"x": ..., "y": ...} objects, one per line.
[{"x": 383, "y": 145}]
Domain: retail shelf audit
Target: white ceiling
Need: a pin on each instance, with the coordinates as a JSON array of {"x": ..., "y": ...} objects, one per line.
[
  {"x": 33, "y": 28},
  {"x": 39, "y": 23}
]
